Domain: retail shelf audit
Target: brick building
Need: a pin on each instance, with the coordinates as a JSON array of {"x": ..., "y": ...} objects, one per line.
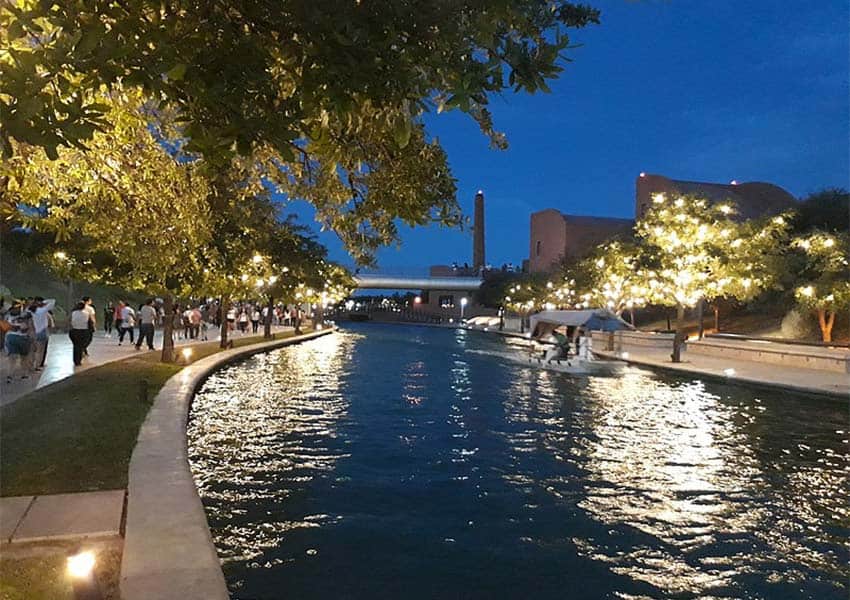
[
  {"x": 556, "y": 236},
  {"x": 753, "y": 199}
]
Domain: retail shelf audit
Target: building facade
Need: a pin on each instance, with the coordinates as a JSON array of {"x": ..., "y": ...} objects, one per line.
[
  {"x": 556, "y": 237},
  {"x": 753, "y": 199}
]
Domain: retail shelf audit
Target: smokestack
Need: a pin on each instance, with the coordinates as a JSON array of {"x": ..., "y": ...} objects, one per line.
[{"x": 478, "y": 233}]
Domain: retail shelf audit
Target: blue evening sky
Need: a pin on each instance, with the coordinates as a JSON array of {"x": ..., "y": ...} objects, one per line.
[{"x": 707, "y": 90}]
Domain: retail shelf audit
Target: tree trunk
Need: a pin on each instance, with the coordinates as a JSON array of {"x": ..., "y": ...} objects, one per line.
[
  {"x": 167, "y": 329},
  {"x": 678, "y": 337},
  {"x": 700, "y": 314},
  {"x": 521, "y": 323},
  {"x": 668, "y": 320},
  {"x": 224, "y": 324},
  {"x": 826, "y": 319},
  {"x": 632, "y": 316},
  {"x": 267, "y": 326},
  {"x": 716, "y": 319},
  {"x": 297, "y": 320}
]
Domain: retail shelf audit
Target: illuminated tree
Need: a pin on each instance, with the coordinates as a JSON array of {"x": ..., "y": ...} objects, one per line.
[
  {"x": 329, "y": 97},
  {"x": 696, "y": 250},
  {"x": 123, "y": 211},
  {"x": 526, "y": 296},
  {"x": 615, "y": 280},
  {"x": 824, "y": 280}
]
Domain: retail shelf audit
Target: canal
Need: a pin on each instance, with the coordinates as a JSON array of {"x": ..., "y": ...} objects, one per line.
[{"x": 410, "y": 462}]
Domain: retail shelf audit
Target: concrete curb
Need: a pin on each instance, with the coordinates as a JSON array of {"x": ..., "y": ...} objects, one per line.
[{"x": 168, "y": 549}]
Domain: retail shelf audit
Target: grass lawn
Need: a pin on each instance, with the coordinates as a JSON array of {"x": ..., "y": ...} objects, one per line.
[
  {"x": 41, "y": 575},
  {"x": 77, "y": 435}
]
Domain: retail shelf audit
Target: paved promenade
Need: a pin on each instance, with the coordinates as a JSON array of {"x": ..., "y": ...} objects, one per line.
[
  {"x": 813, "y": 381},
  {"x": 103, "y": 349}
]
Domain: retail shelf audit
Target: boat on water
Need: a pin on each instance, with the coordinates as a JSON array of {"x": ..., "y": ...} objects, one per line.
[{"x": 560, "y": 339}]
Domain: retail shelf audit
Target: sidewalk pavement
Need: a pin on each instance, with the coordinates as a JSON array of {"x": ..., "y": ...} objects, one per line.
[
  {"x": 811, "y": 381},
  {"x": 103, "y": 349},
  {"x": 61, "y": 516}
]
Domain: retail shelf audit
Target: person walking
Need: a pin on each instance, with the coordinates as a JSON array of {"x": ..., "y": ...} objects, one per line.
[
  {"x": 195, "y": 319},
  {"x": 147, "y": 322},
  {"x": 128, "y": 322},
  {"x": 80, "y": 331},
  {"x": 90, "y": 309},
  {"x": 108, "y": 318},
  {"x": 255, "y": 320},
  {"x": 40, "y": 311},
  {"x": 243, "y": 321},
  {"x": 119, "y": 309}
]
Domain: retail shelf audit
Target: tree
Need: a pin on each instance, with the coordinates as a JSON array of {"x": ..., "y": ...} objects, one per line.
[
  {"x": 824, "y": 280},
  {"x": 827, "y": 210},
  {"x": 122, "y": 211},
  {"x": 696, "y": 250},
  {"x": 328, "y": 97},
  {"x": 525, "y": 296},
  {"x": 614, "y": 277}
]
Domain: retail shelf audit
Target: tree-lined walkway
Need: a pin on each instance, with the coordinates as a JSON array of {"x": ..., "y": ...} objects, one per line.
[{"x": 103, "y": 349}]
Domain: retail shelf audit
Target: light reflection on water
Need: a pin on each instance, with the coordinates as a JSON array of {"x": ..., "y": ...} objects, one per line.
[{"x": 383, "y": 462}]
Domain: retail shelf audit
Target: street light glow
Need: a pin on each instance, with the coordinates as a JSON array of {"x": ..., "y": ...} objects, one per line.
[{"x": 80, "y": 565}]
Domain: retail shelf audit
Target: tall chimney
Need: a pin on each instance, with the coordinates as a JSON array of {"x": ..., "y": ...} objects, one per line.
[{"x": 478, "y": 233}]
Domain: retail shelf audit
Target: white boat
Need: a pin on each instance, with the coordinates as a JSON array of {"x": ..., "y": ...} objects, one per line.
[{"x": 561, "y": 339}]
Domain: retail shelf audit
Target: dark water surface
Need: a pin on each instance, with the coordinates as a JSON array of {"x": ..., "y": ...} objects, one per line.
[{"x": 396, "y": 462}]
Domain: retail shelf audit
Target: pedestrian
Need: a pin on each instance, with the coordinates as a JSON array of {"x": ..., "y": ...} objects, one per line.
[
  {"x": 40, "y": 311},
  {"x": 231, "y": 318},
  {"x": 108, "y": 318},
  {"x": 243, "y": 321},
  {"x": 119, "y": 310},
  {"x": 195, "y": 320},
  {"x": 255, "y": 320},
  {"x": 80, "y": 331},
  {"x": 90, "y": 309},
  {"x": 128, "y": 322},
  {"x": 18, "y": 342},
  {"x": 147, "y": 323}
]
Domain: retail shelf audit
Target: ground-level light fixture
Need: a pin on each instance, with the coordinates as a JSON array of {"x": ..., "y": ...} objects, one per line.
[
  {"x": 729, "y": 372},
  {"x": 80, "y": 568},
  {"x": 187, "y": 353}
]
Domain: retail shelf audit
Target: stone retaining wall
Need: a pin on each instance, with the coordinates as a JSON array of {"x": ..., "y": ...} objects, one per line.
[
  {"x": 168, "y": 550},
  {"x": 836, "y": 360},
  {"x": 810, "y": 357}
]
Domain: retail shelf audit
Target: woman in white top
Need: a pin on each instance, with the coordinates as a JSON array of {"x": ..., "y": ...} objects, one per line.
[
  {"x": 128, "y": 321},
  {"x": 79, "y": 333},
  {"x": 255, "y": 320}
]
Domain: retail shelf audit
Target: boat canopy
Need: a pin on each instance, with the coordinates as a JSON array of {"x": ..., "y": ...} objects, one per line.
[{"x": 597, "y": 319}]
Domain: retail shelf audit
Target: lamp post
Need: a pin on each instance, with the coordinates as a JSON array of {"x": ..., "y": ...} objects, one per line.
[{"x": 463, "y": 302}]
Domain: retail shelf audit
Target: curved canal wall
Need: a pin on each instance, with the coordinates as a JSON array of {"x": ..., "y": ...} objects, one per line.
[{"x": 168, "y": 549}]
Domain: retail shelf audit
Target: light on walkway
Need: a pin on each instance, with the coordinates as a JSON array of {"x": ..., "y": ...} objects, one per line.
[
  {"x": 729, "y": 372},
  {"x": 81, "y": 565},
  {"x": 187, "y": 353},
  {"x": 624, "y": 355}
]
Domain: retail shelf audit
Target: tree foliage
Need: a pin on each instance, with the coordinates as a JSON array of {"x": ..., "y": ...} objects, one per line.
[{"x": 824, "y": 276}]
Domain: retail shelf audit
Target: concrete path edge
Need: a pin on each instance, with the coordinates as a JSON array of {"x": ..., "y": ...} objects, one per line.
[
  {"x": 679, "y": 368},
  {"x": 168, "y": 548}
]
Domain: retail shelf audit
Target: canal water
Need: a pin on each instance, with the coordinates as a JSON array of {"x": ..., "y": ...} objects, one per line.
[{"x": 404, "y": 462}]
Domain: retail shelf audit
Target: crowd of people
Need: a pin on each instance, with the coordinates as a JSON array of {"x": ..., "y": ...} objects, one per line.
[{"x": 25, "y": 326}]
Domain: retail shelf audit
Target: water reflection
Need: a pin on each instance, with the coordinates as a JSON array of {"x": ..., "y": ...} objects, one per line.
[{"x": 403, "y": 462}]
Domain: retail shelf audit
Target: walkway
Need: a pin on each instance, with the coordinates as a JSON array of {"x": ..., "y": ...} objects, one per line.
[
  {"x": 812, "y": 381},
  {"x": 103, "y": 349}
]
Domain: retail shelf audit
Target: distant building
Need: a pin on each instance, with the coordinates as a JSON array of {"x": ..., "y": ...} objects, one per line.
[
  {"x": 556, "y": 236},
  {"x": 753, "y": 199}
]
